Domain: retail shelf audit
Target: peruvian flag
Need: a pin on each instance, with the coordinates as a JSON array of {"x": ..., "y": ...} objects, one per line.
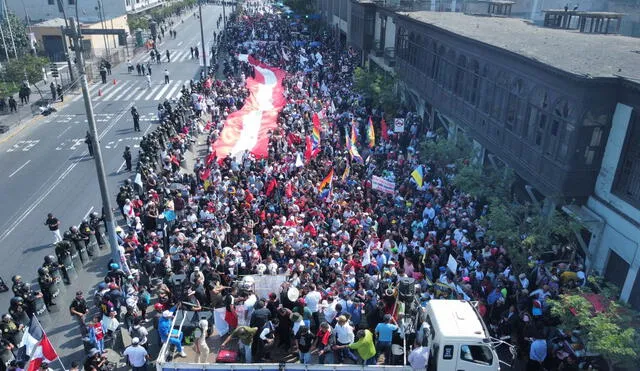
[
  {"x": 248, "y": 128},
  {"x": 37, "y": 346}
]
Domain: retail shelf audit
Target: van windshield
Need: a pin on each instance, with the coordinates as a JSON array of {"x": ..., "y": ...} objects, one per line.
[{"x": 480, "y": 354}]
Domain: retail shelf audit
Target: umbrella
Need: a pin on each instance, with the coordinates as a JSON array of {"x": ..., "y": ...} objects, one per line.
[{"x": 315, "y": 43}]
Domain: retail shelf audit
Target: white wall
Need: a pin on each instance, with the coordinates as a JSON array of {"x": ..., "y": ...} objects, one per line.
[
  {"x": 40, "y": 10},
  {"x": 137, "y": 5},
  {"x": 619, "y": 233}
]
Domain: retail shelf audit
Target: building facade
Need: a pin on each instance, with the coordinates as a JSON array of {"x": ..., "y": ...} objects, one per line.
[
  {"x": 533, "y": 99},
  {"x": 88, "y": 11}
]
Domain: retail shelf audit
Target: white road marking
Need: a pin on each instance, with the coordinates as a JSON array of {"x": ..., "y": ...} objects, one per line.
[
  {"x": 180, "y": 43},
  {"x": 173, "y": 90},
  {"x": 63, "y": 131},
  {"x": 143, "y": 91},
  {"x": 125, "y": 92},
  {"x": 23, "y": 145},
  {"x": 133, "y": 92},
  {"x": 18, "y": 169},
  {"x": 153, "y": 91},
  {"x": 120, "y": 168},
  {"x": 113, "y": 93},
  {"x": 88, "y": 212},
  {"x": 162, "y": 91}
]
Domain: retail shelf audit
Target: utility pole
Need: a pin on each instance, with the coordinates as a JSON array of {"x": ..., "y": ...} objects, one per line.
[
  {"x": 4, "y": 43},
  {"x": 204, "y": 47},
  {"x": 64, "y": 41},
  {"x": 97, "y": 152},
  {"x": 13, "y": 41},
  {"x": 104, "y": 36},
  {"x": 224, "y": 16}
]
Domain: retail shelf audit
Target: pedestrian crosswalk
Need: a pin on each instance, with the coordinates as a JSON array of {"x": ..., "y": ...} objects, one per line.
[
  {"x": 177, "y": 55},
  {"x": 134, "y": 90}
]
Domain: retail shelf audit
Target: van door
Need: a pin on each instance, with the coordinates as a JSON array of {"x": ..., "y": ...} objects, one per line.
[
  {"x": 476, "y": 357},
  {"x": 447, "y": 357}
]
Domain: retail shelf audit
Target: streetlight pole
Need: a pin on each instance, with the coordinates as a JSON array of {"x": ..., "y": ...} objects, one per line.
[
  {"x": 4, "y": 43},
  {"x": 204, "y": 47},
  {"x": 13, "y": 41},
  {"x": 104, "y": 37},
  {"x": 97, "y": 152},
  {"x": 64, "y": 42}
]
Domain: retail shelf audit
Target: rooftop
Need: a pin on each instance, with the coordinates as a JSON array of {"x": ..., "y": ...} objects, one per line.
[
  {"x": 594, "y": 55},
  {"x": 53, "y": 22},
  {"x": 456, "y": 318}
]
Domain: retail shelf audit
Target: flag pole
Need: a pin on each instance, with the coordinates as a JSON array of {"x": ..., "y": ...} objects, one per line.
[{"x": 44, "y": 334}]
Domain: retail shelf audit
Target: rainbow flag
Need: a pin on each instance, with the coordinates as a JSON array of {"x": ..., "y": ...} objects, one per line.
[
  {"x": 315, "y": 136},
  {"x": 371, "y": 134},
  {"x": 347, "y": 171},
  {"x": 351, "y": 144},
  {"x": 327, "y": 181}
]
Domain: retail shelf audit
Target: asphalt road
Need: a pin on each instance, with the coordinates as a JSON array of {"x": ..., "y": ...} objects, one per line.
[{"x": 46, "y": 168}]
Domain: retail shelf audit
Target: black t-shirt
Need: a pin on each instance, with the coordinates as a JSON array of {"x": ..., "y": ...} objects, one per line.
[
  {"x": 79, "y": 305},
  {"x": 304, "y": 342},
  {"x": 52, "y": 223}
]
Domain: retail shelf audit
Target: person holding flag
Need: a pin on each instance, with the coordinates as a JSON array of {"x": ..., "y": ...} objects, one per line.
[
  {"x": 327, "y": 183},
  {"x": 35, "y": 345},
  {"x": 418, "y": 176},
  {"x": 371, "y": 134}
]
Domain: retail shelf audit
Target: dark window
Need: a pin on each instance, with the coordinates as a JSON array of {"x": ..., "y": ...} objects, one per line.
[
  {"x": 489, "y": 90},
  {"x": 514, "y": 106},
  {"x": 441, "y": 67},
  {"x": 480, "y": 354},
  {"x": 471, "y": 93},
  {"x": 627, "y": 183},
  {"x": 460, "y": 76},
  {"x": 72, "y": 2},
  {"x": 51, "y": 2},
  {"x": 537, "y": 117},
  {"x": 557, "y": 128},
  {"x": 499, "y": 96},
  {"x": 447, "y": 352},
  {"x": 436, "y": 61}
]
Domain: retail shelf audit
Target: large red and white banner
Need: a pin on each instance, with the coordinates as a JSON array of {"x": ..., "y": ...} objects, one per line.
[{"x": 248, "y": 128}]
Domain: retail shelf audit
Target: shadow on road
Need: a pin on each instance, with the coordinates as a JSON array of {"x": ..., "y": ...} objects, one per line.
[{"x": 38, "y": 248}]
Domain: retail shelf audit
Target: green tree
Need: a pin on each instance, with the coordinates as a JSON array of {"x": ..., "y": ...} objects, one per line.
[
  {"x": 302, "y": 7},
  {"x": 20, "y": 36},
  {"x": 377, "y": 88},
  {"x": 610, "y": 332},
  {"x": 15, "y": 70}
]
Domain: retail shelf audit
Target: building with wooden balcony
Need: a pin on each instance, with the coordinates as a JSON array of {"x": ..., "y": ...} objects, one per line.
[{"x": 559, "y": 106}]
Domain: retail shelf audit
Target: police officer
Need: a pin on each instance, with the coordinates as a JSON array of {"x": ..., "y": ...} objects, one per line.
[
  {"x": 79, "y": 309},
  {"x": 88, "y": 141},
  {"x": 11, "y": 330},
  {"x": 94, "y": 221},
  {"x": 136, "y": 118},
  {"x": 53, "y": 267},
  {"x": 18, "y": 312},
  {"x": 19, "y": 288},
  {"x": 76, "y": 237},
  {"x": 127, "y": 157},
  {"x": 46, "y": 283}
]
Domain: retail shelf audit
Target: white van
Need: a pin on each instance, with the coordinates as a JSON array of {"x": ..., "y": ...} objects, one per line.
[{"x": 458, "y": 338}]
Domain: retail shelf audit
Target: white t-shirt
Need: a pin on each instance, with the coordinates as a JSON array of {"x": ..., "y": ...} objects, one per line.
[
  {"x": 312, "y": 299},
  {"x": 136, "y": 355}
]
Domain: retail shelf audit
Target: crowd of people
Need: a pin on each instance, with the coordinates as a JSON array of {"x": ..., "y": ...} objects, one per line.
[
  {"x": 190, "y": 238},
  {"x": 343, "y": 251}
]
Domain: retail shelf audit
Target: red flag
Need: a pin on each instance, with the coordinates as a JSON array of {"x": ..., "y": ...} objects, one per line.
[
  {"x": 288, "y": 190},
  {"x": 383, "y": 129},
  {"x": 307, "y": 149},
  {"x": 205, "y": 174},
  {"x": 44, "y": 352},
  {"x": 211, "y": 158}
]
